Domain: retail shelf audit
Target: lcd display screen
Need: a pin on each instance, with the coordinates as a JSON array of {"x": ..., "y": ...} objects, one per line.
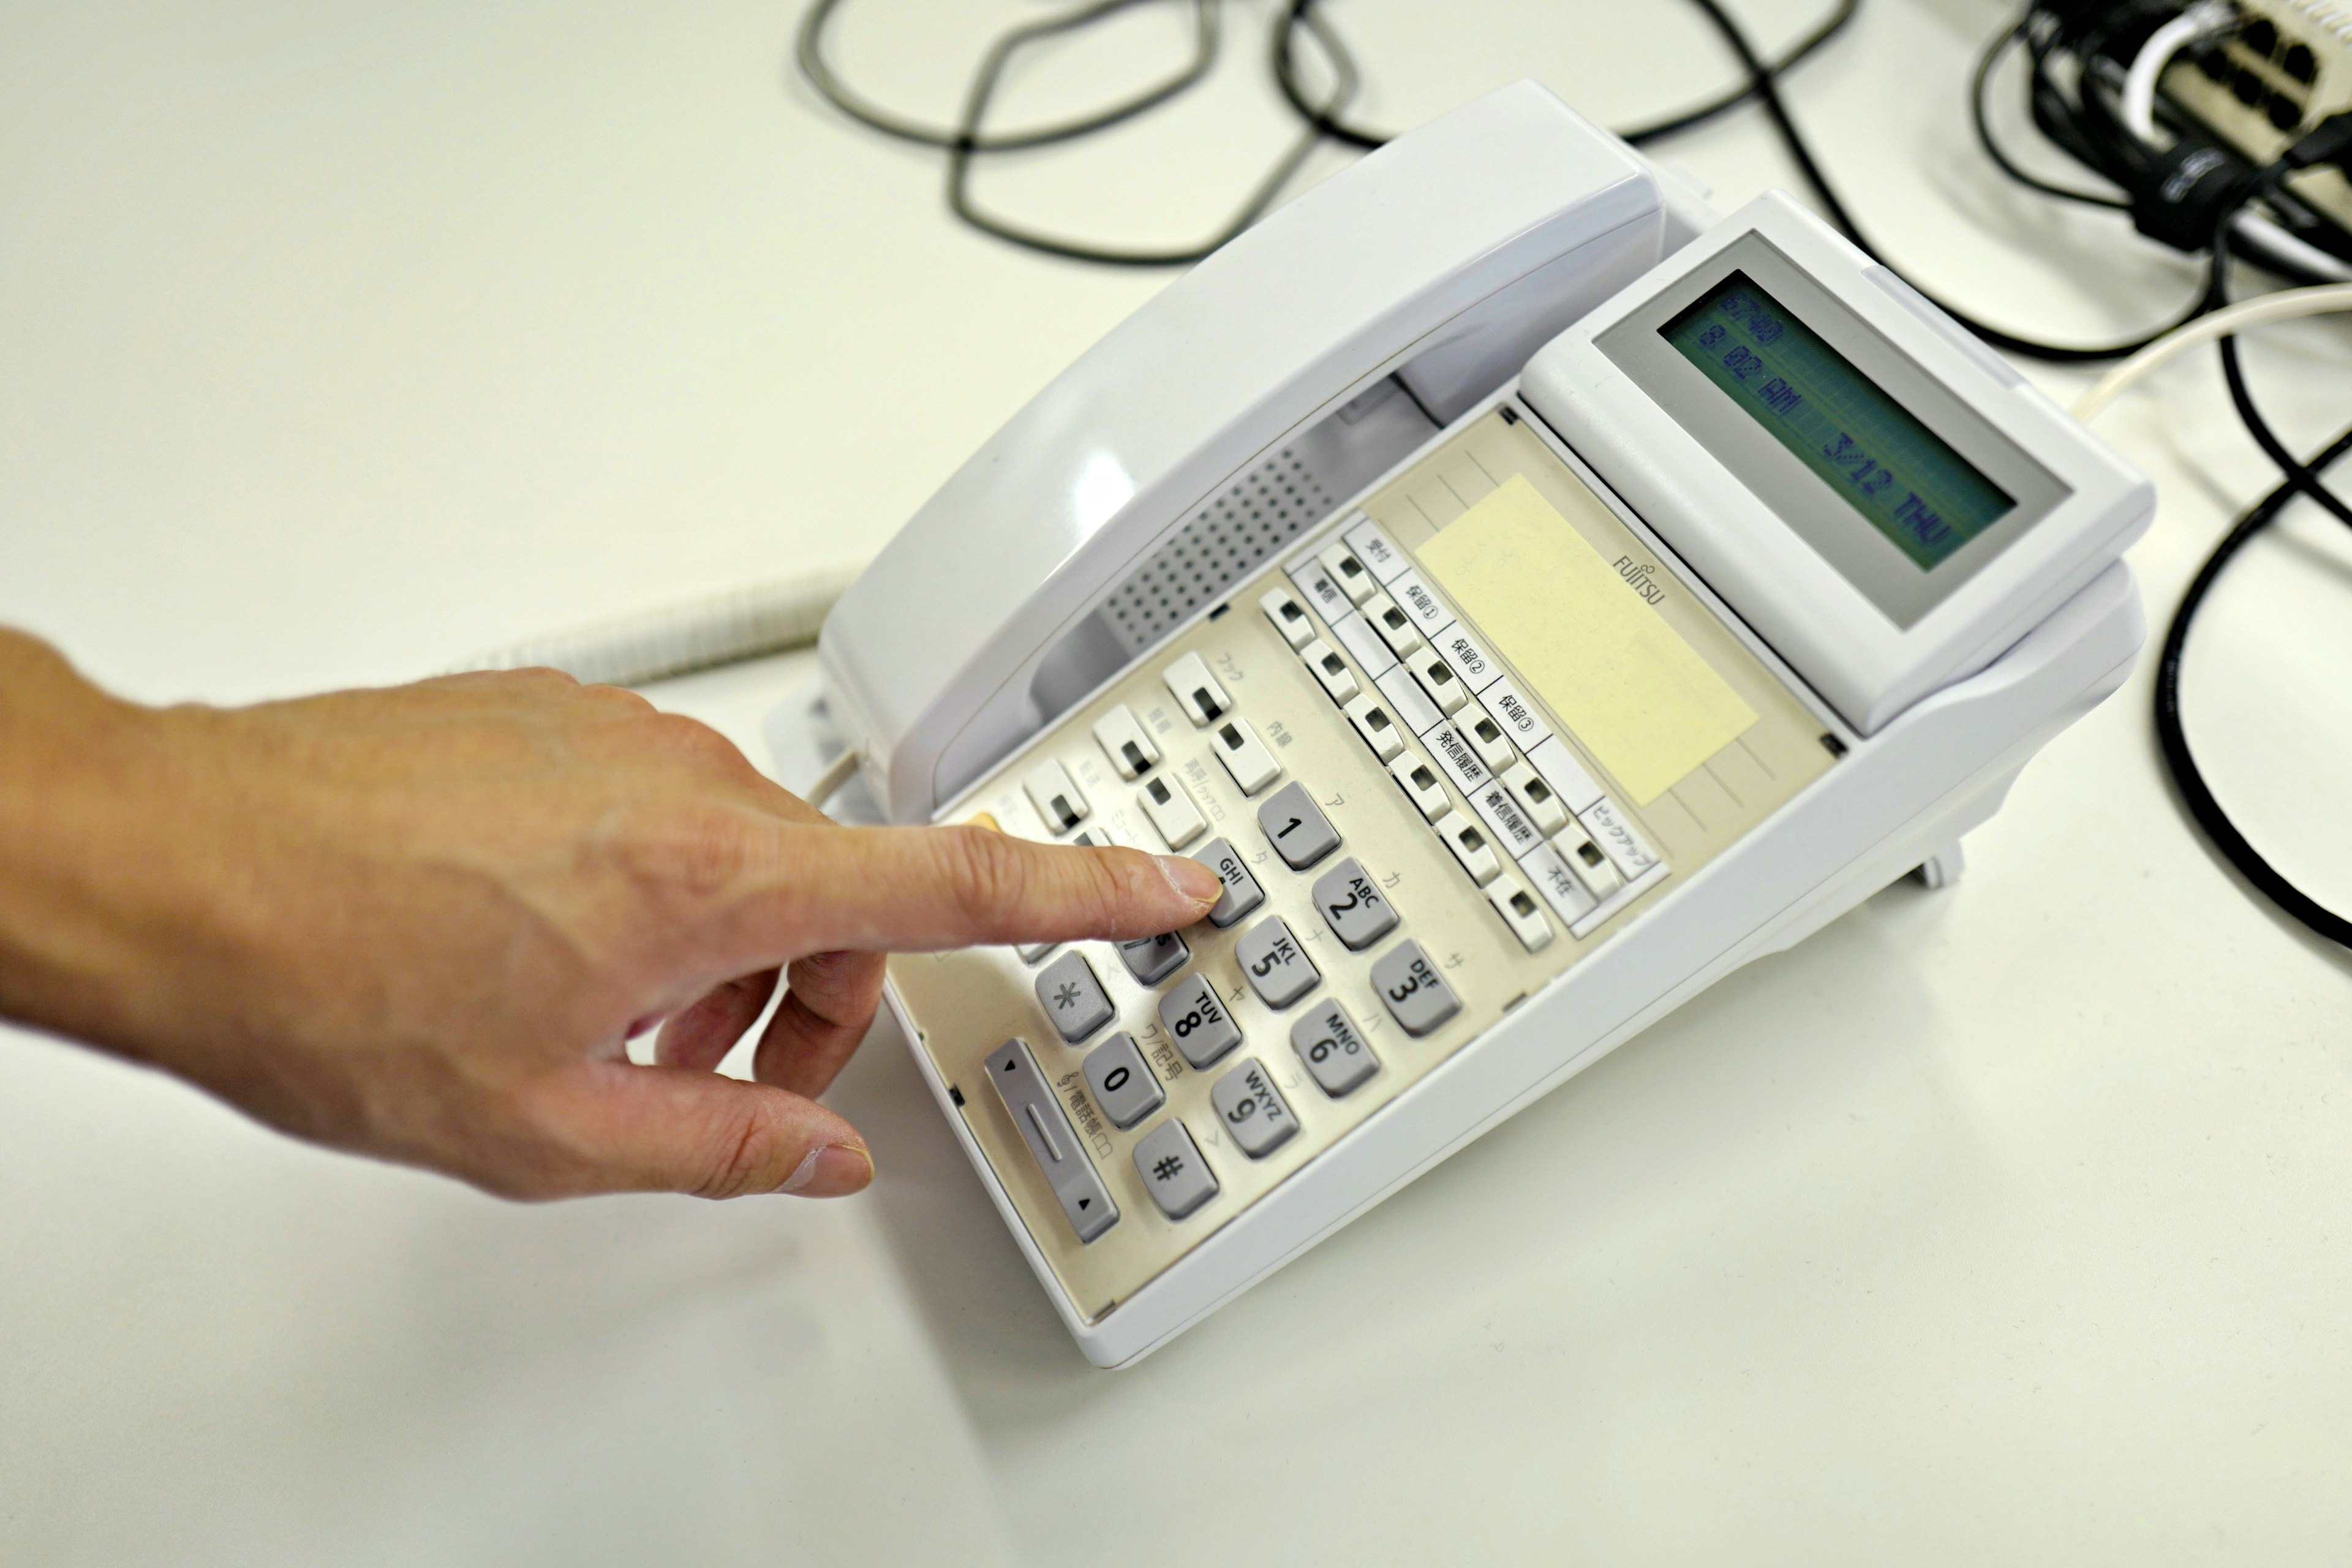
[{"x": 1901, "y": 477}]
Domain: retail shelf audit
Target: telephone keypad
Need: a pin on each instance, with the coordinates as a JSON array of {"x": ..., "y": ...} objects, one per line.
[
  {"x": 1241, "y": 893},
  {"x": 1412, "y": 990},
  {"x": 1353, "y": 906},
  {"x": 1335, "y": 1052},
  {"x": 1195, "y": 1017},
  {"x": 1154, "y": 958},
  {"x": 1277, "y": 967},
  {"x": 1122, "y": 1082},
  {"x": 1253, "y": 1109},
  {"x": 1072, "y": 997},
  {"x": 1173, "y": 1171},
  {"x": 1296, "y": 826}
]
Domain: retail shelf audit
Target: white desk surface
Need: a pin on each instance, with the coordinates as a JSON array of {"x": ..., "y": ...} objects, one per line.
[{"x": 2008, "y": 1224}]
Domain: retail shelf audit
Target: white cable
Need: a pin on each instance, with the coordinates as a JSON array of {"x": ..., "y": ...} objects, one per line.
[
  {"x": 2285, "y": 305},
  {"x": 740, "y": 624},
  {"x": 2200, "y": 21},
  {"x": 2139, "y": 82},
  {"x": 828, "y": 784}
]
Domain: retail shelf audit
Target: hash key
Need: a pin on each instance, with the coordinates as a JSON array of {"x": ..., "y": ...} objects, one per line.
[{"x": 1296, "y": 826}]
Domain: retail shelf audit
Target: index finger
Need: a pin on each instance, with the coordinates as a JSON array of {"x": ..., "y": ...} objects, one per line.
[{"x": 927, "y": 889}]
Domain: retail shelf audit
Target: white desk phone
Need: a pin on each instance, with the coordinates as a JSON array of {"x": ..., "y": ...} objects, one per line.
[{"x": 1534, "y": 596}]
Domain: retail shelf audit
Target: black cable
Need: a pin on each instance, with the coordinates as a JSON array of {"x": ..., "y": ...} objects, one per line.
[
  {"x": 1979, "y": 87},
  {"x": 2297, "y": 476},
  {"x": 1769, "y": 92},
  {"x": 2173, "y": 740},
  {"x": 1302, "y": 13},
  {"x": 809, "y": 51},
  {"x": 968, "y": 141}
]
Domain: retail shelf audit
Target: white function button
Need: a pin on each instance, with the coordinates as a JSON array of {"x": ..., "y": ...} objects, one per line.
[
  {"x": 1421, "y": 602},
  {"x": 1408, "y": 702},
  {"x": 1395, "y": 627},
  {"x": 1253, "y": 1110},
  {"x": 1536, "y": 798},
  {"x": 1421, "y": 784},
  {"x": 1173, "y": 1173},
  {"x": 1438, "y": 681},
  {"x": 1547, "y": 868},
  {"x": 1355, "y": 633},
  {"x": 1245, "y": 755},
  {"x": 1169, "y": 806},
  {"x": 1511, "y": 708},
  {"x": 1057, "y": 799},
  {"x": 1353, "y": 576},
  {"x": 1375, "y": 549},
  {"x": 1031, "y": 952},
  {"x": 1469, "y": 841},
  {"x": 1514, "y": 832},
  {"x": 1331, "y": 670},
  {"x": 1565, "y": 775},
  {"x": 1470, "y": 659},
  {"x": 1520, "y": 912},
  {"x": 1586, "y": 861},
  {"x": 1195, "y": 689},
  {"x": 1324, "y": 596},
  {"x": 1451, "y": 750},
  {"x": 1095, "y": 837},
  {"x": 1289, "y": 617},
  {"x": 1613, "y": 831},
  {"x": 1126, "y": 742},
  {"x": 1371, "y": 720},
  {"x": 1487, "y": 738}
]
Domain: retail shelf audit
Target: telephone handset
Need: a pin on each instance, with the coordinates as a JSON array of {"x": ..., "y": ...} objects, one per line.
[
  {"x": 1230, "y": 412},
  {"x": 1531, "y": 603}
]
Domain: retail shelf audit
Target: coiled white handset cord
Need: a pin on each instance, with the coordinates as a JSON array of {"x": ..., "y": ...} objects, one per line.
[{"x": 740, "y": 624}]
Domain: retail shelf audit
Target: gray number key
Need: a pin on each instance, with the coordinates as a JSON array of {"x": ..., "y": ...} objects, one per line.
[
  {"x": 1253, "y": 1110},
  {"x": 1333, "y": 1049},
  {"x": 1124, "y": 1085},
  {"x": 1072, "y": 997},
  {"x": 1154, "y": 958},
  {"x": 1296, "y": 826},
  {"x": 1416, "y": 994},
  {"x": 1241, "y": 893},
  {"x": 1351, "y": 905},
  {"x": 1194, "y": 1016},
  {"x": 1278, "y": 971},
  {"x": 1179, "y": 1180}
]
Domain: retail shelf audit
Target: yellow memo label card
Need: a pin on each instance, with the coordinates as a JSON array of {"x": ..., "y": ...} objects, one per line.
[{"x": 1644, "y": 702}]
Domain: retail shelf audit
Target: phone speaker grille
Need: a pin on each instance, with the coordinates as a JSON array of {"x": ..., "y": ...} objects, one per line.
[{"x": 1258, "y": 513}]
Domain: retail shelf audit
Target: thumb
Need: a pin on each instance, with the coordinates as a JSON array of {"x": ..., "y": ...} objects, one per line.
[
  {"x": 926, "y": 889},
  {"x": 673, "y": 1130}
]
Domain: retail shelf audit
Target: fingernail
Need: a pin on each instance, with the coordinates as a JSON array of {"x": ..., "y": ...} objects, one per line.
[
  {"x": 1191, "y": 879},
  {"x": 832, "y": 1170}
]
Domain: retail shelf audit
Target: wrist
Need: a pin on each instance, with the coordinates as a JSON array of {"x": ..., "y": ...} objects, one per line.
[{"x": 72, "y": 847}]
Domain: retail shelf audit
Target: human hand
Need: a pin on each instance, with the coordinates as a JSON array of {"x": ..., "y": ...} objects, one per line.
[{"x": 421, "y": 923}]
